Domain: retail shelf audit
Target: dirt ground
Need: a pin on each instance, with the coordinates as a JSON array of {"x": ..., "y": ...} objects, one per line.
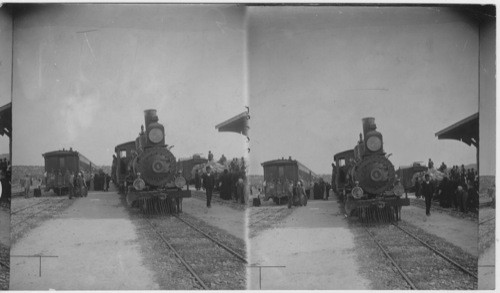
[
  {"x": 4, "y": 226},
  {"x": 315, "y": 247},
  {"x": 95, "y": 247},
  {"x": 486, "y": 265},
  {"x": 460, "y": 232},
  {"x": 223, "y": 217}
]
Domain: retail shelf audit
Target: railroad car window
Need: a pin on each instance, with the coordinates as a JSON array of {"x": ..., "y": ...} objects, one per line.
[
  {"x": 281, "y": 171},
  {"x": 341, "y": 162},
  {"x": 291, "y": 172},
  {"x": 61, "y": 162},
  {"x": 123, "y": 153},
  {"x": 71, "y": 163}
]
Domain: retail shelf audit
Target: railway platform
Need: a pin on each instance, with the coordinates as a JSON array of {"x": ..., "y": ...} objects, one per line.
[
  {"x": 312, "y": 248},
  {"x": 91, "y": 245},
  {"x": 221, "y": 216},
  {"x": 459, "y": 230}
]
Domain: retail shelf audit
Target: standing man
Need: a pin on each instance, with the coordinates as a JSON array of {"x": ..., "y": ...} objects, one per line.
[
  {"x": 108, "y": 178},
  {"x": 208, "y": 185},
  {"x": 27, "y": 185},
  {"x": 80, "y": 182},
  {"x": 418, "y": 186},
  {"x": 461, "y": 195},
  {"x": 430, "y": 164},
  {"x": 288, "y": 189},
  {"x": 225, "y": 188},
  {"x": 71, "y": 185},
  {"x": 240, "y": 191},
  {"x": 197, "y": 180},
  {"x": 427, "y": 191}
]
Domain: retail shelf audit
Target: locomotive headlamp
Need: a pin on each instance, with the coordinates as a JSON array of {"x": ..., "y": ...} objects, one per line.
[
  {"x": 155, "y": 135},
  {"x": 139, "y": 184},
  {"x": 357, "y": 192},
  {"x": 180, "y": 181},
  {"x": 374, "y": 143}
]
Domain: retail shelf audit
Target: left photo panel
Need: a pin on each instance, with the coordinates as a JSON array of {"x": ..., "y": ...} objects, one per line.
[
  {"x": 130, "y": 147},
  {"x": 5, "y": 143}
]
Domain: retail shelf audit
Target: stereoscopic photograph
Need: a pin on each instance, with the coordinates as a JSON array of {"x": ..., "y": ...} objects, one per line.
[
  {"x": 129, "y": 160},
  {"x": 247, "y": 147},
  {"x": 365, "y": 145}
]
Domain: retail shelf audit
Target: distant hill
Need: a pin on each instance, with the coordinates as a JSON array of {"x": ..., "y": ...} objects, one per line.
[{"x": 19, "y": 172}]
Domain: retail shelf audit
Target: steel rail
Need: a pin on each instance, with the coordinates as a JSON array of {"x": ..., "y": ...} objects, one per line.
[
  {"x": 4, "y": 264},
  {"x": 18, "y": 193},
  {"x": 437, "y": 252},
  {"x": 237, "y": 255},
  {"x": 401, "y": 272},
  {"x": 183, "y": 261},
  {"x": 32, "y": 215},
  {"x": 487, "y": 220},
  {"x": 22, "y": 209},
  {"x": 266, "y": 217}
]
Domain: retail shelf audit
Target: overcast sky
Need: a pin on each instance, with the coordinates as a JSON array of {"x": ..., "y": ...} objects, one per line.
[
  {"x": 83, "y": 74},
  {"x": 315, "y": 72}
]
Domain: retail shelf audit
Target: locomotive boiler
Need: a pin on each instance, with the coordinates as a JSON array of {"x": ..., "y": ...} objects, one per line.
[
  {"x": 148, "y": 170},
  {"x": 365, "y": 179}
]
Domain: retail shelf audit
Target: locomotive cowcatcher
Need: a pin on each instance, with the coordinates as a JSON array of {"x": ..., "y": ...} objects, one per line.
[
  {"x": 146, "y": 170},
  {"x": 365, "y": 181}
]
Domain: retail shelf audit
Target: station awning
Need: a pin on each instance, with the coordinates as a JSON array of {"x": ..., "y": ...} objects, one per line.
[
  {"x": 6, "y": 119},
  {"x": 465, "y": 130},
  {"x": 238, "y": 124}
]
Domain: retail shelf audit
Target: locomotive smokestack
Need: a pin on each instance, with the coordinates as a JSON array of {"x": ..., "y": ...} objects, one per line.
[
  {"x": 368, "y": 124},
  {"x": 148, "y": 116}
]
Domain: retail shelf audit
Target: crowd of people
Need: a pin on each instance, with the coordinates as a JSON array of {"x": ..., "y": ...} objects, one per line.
[
  {"x": 75, "y": 183},
  {"x": 458, "y": 189},
  {"x": 321, "y": 189},
  {"x": 230, "y": 183}
]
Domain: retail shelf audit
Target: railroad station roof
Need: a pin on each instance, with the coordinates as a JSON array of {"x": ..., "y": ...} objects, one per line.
[
  {"x": 238, "y": 124},
  {"x": 6, "y": 119},
  {"x": 465, "y": 130}
]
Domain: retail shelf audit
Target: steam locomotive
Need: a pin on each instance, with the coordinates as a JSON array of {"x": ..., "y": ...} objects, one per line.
[
  {"x": 146, "y": 170},
  {"x": 365, "y": 179}
]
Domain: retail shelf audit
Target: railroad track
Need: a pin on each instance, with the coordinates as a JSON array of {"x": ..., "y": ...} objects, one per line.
[
  {"x": 30, "y": 216},
  {"x": 487, "y": 220},
  {"x": 24, "y": 208},
  {"x": 193, "y": 247},
  {"x": 422, "y": 266},
  {"x": 274, "y": 214}
]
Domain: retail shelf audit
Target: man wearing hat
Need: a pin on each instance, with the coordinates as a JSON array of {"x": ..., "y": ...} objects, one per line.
[
  {"x": 427, "y": 191},
  {"x": 208, "y": 184}
]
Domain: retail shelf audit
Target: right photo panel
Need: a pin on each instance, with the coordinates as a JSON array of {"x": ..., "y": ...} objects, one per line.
[{"x": 366, "y": 170}]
